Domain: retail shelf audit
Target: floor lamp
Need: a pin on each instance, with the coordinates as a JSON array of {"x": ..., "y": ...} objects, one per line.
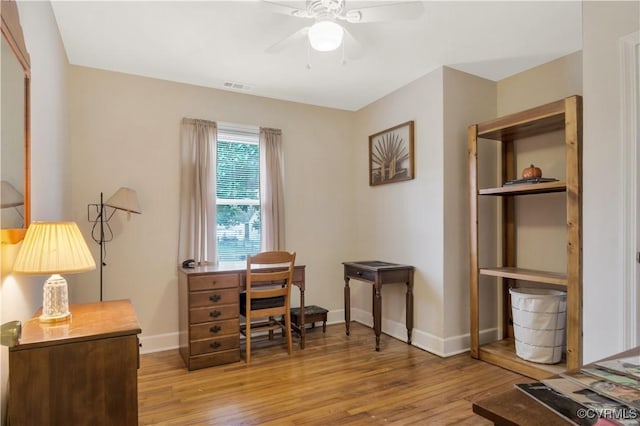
[
  {"x": 11, "y": 197},
  {"x": 124, "y": 199}
]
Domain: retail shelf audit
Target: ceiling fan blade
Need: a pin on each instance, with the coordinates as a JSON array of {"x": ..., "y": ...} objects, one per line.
[
  {"x": 387, "y": 12},
  {"x": 288, "y": 10},
  {"x": 288, "y": 41}
]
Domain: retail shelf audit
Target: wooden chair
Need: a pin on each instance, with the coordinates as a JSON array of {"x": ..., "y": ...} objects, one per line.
[{"x": 267, "y": 295}]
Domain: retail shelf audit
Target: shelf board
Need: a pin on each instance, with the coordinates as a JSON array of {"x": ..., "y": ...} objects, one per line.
[
  {"x": 534, "y": 121},
  {"x": 503, "y": 354},
  {"x": 527, "y": 275},
  {"x": 526, "y": 188}
]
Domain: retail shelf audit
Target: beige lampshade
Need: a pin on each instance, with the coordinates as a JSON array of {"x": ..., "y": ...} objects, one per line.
[
  {"x": 53, "y": 248},
  {"x": 124, "y": 199},
  {"x": 9, "y": 195}
]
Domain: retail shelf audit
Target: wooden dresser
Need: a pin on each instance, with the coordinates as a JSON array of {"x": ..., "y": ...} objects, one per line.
[
  {"x": 82, "y": 371},
  {"x": 209, "y": 317}
]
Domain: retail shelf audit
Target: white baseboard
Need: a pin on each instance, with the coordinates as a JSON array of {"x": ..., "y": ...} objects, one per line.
[
  {"x": 451, "y": 345},
  {"x": 159, "y": 342},
  {"x": 420, "y": 339}
]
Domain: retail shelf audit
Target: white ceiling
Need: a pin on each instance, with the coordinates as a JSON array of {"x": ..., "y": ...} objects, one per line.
[{"x": 208, "y": 43}]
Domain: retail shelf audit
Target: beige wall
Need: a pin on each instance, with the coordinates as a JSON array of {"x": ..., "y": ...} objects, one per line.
[
  {"x": 20, "y": 296},
  {"x": 402, "y": 222},
  {"x": 125, "y": 132},
  {"x": 540, "y": 85},
  {"x": 467, "y": 99},
  {"x": 423, "y": 222},
  {"x": 604, "y": 24}
]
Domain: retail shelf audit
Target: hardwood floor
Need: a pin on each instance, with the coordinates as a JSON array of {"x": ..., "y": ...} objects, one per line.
[{"x": 335, "y": 380}]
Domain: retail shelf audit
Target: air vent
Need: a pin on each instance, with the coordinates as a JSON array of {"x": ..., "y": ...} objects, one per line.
[{"x": 237, "y": 86}]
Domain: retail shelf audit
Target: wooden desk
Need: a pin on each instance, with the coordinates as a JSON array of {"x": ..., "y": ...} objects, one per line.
[
  {"x": 82, "y": 371},
  {"x": 378, "y": 273},
  {"x": 208, "y": 308},
  {"x": 513, "y": 407}
]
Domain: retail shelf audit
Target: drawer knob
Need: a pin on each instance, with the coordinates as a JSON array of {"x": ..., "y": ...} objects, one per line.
[
  {"x": 215, "y": 328},
  {"x": 216, "y": 345},
  {"x": 214, "y": 297},
  {"x": 215, "y": 314},
  {"x": 359, "y": 273}
]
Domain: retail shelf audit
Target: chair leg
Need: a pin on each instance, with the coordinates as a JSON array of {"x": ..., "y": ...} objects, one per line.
[
  {"x": 247, "y": 352},
  {"x": 287, "y": 324},
  {"x": 271, "y": 320}
]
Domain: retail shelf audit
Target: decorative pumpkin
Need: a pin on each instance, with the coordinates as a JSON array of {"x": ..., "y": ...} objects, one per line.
[{"x": 531, "y": 172}]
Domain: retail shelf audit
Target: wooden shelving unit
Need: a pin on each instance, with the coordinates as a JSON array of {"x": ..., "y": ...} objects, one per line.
[
  {"x": 563, "y": 115},
  {"x": 533, "y": 188}
]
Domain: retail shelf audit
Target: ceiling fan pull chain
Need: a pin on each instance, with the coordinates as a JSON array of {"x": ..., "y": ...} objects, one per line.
[
  {"x": 308, "y": 56},
  {"x": 344, "y": 60}
]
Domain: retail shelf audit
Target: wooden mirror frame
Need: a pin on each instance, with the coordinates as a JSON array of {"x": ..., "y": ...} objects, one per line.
[{"x": 13, "y": 35}]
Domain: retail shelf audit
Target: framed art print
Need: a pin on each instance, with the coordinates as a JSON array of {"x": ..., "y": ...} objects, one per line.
[{"x": 391, "y": 157}]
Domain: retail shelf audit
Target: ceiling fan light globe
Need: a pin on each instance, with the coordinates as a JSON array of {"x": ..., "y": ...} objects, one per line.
[{"x": 325, "y": 36}]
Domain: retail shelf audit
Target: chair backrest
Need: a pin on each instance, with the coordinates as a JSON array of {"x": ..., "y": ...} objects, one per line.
[{"x": 269, "y": 274}]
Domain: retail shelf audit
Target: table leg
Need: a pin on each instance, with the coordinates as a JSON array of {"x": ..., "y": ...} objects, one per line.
[
  {"x": 347, "y": 304},
  {"x": 302, "y": 327},
  {"x": 409, "y": 308},
  {"x": 377, "y": 312}
]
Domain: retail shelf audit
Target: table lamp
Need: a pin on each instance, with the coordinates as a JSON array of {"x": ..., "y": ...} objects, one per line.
[{"x": 54, "y": 248}]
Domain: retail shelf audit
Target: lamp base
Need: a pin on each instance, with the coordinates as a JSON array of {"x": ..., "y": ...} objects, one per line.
[
  {"x": 55, "y": 318},
  {"x": 55, "y": 300}
]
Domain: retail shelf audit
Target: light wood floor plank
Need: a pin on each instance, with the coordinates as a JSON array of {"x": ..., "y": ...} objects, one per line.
[{"x": 335, "y": 380}]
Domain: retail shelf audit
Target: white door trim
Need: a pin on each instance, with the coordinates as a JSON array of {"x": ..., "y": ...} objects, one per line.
[{"x": 629, "y": 96}]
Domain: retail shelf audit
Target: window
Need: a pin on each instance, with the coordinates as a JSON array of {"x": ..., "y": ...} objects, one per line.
[{"x": 237, "y": 193}]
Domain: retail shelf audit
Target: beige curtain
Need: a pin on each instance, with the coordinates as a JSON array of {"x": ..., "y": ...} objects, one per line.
[
  {"x": 197, "y": 239},
  {"x": 271, "y": 189}
]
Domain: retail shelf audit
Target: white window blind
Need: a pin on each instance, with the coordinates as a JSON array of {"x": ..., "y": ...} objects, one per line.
[{"x": 237, "y": 192}]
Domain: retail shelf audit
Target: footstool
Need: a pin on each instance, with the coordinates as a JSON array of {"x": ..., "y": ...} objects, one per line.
[{"x": 312, "y": 314}]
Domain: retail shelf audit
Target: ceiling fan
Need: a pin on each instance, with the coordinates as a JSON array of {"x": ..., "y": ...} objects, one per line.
[{"x": 327, "y": 33}]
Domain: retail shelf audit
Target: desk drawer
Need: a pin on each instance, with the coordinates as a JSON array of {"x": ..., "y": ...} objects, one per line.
[
  {"x": 215, "y": 345},
  {"x": 359, "y": 274},
  {"x": 213, "y": 313},
  {"x": 215, "y": 358},
  {"x": 213, "y": 281},
  {"x": 213, "y": 298},
  {"x": 215, "y": 329}
]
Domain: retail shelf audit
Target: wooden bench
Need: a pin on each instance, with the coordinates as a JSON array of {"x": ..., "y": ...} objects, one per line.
[{"x": 312, "y": 314}]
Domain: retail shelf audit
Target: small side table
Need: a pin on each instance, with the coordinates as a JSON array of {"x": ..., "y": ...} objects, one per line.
[{"x": 378, "y": 273}]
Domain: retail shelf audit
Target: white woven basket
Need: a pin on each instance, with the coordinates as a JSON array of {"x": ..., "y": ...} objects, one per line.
[{"x": 539, "y": 317}]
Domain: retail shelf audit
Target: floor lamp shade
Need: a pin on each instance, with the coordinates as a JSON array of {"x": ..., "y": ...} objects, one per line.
[
  {"x": 54, "y": 248},
  {"x": 124, "y": 199}
]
